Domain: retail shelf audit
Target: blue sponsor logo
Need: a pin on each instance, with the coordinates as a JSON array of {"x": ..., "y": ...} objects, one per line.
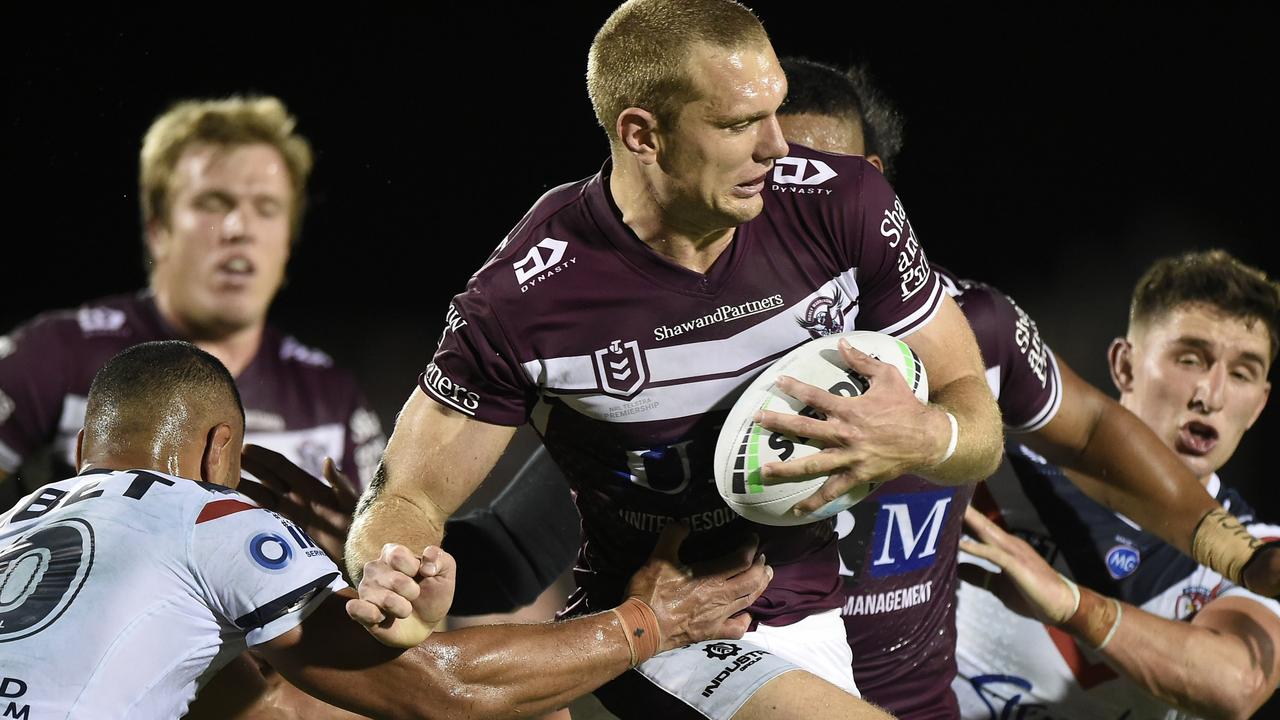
[
  {"x": 1122, "y": 560},
  {"x": 907, "y": 530},
  {"x": 270, "y": 551}
]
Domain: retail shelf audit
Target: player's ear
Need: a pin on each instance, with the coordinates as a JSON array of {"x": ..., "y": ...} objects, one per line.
[
  {"x": 79, "y": 449},
  {"x": 219, "y": 462},
  {"x": 1120, "y": 360},
  {"x": 877, "y": 161},
  {"x": 157, "y": 239},
  {"x": 1262, "y": 405},
  {"x": 637, "y": 131}
]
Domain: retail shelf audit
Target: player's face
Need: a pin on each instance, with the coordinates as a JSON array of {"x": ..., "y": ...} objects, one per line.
[
  {"x": 828, "y": 133},
  {"x": 220, "y": 258},
  {"x": 716, "y": 159},
  {"x": 1200, "y": 381}
]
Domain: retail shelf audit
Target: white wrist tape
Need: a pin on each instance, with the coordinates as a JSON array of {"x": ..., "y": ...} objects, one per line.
[{"x": 955, "y": 439}]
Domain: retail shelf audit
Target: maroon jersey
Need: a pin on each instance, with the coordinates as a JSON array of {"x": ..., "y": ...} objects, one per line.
[
  {"x": 627, "y": 363},
  {"x": 898, "y": 547},
  {"x": 296, "y": 402}
]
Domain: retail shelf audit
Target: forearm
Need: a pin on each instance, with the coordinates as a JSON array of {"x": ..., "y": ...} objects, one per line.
[
  {"x": 979, "y": 438},
  {"x": 558, "y": 662},
  {"x": 385, "y": 516},
  {"x": 1201, "y": 670},
  {"x": 1124, "y": 466}
]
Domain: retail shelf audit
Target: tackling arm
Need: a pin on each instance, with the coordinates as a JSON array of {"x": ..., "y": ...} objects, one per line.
[{"x": 435, "y": 459}]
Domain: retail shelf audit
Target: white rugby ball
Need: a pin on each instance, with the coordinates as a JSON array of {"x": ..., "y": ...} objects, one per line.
[{"x": 743, "y": 446}]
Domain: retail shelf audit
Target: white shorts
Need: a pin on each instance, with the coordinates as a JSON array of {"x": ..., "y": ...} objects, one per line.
[{"x": 714, "y": 679}]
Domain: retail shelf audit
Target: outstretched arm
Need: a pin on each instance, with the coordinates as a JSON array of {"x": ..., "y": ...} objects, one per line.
[
  {"x": 1223, "y": 664},
  {"x": 509, "y": 671}
]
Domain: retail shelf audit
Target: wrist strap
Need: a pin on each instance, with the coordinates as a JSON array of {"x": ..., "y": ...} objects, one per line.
[
  {"x": 1096, "y": 618},
  {"x": 1222, "y": 544},
  {"x": 640, "y": 625},
  {"x": 955, "y": 438}
]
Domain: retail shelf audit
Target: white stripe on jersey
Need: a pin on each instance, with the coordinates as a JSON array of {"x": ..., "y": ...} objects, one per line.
[
  {"x": 1051, "y": 406},
  {"x": 920, "y": 317},
  {"x": 700, "y": 376}
]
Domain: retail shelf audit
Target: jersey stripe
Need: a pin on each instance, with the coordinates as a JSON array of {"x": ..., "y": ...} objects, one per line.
[
  {"x": 222, "y": 508},
  {"x": 284, "y": 604}
]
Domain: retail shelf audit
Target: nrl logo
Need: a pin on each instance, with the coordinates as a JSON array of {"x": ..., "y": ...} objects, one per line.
[{"x": 621, "y": 368}]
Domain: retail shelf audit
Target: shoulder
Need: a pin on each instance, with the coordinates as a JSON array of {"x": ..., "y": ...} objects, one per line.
[
  {"x": 539, "y": 242},
  {"x": 117, "y": 318},
  {"x": 808, "y": 175}
]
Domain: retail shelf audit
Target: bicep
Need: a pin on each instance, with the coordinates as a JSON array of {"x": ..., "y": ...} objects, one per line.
[
  {"x": 438, "y": 456},
  {"x": 1254, "y": 625},
  {"x": 1067, "y": 434},
  {"x": 947, "y": 347}
]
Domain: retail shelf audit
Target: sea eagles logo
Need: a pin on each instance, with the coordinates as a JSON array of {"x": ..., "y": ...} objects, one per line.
[
  {"x": 824, "y": 316},
  {"x": 621, "y": 368}
]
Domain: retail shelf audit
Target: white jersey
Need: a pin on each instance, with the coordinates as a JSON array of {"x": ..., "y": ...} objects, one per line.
[
  {"x": 1013, "y": 667},
  {"x": 121, "y": 593}
]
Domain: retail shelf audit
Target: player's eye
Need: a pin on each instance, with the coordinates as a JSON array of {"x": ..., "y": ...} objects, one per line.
[
  {"x": 269, "y": 207},
  {"x": 1190, "y": 360},
  {"x": 212, "y": 202}
]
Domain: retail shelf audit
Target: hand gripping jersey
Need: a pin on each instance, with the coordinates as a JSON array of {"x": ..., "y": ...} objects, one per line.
[
  {"x": 627, "y": 363},
  {"x": 296, "y": 402},
  {"x": 122, "y": 592},
  {"x": 1011, "y": 666},
  {"x": 898, "y": 547}
]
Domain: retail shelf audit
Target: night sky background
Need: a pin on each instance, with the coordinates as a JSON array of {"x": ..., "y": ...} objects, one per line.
[{"x": 1053, "y": 154}]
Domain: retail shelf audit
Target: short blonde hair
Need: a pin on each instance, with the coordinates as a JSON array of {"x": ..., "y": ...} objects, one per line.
[
  {"x": 227, "y": 122},
  {"x": 639, "y": 56}
]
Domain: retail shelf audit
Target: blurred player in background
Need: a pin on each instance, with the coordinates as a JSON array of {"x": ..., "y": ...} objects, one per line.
[
  {"x": 223, "y": 189},
  {"x": 1146, "y": 628}
]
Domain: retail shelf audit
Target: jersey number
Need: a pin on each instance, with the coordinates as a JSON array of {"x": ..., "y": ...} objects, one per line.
[{"x": 41, "y": 574}]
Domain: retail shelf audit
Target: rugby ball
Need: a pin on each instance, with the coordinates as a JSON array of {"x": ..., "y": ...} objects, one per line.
[{"x": 743, "y": 446}]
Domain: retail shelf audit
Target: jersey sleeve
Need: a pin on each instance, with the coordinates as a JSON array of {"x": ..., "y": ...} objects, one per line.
[
  {"x": 898, "y": 291},
  {"x": 32, "y": 386},
  {"x": 1020, "y": 366},
  {"x": 473, "y": 370},
  {"x": 259, "y": 572}
]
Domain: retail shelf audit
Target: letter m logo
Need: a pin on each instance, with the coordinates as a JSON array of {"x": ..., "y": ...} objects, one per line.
[{"x": 907, "y": 531}]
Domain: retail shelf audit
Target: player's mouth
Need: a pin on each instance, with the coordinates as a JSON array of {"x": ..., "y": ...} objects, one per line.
[
  {"x": 750, "y": 188},
  {"x": 236, "y": 271},
  {"x": 1197, "y": 438}
]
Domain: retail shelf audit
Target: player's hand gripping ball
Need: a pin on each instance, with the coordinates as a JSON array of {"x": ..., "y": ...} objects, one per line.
[{"x": 744, "y": 446}]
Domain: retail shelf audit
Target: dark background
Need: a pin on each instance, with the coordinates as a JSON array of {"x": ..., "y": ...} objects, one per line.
[{"x": 1051, "y": 153}]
